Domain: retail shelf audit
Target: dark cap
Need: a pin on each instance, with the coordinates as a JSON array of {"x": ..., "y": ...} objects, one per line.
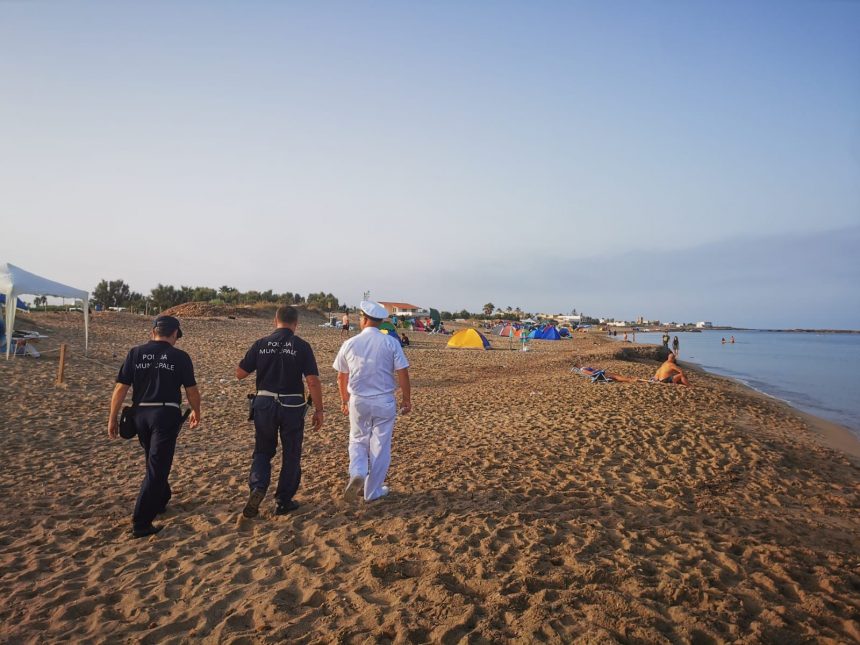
[{"x": 166, "y": 325}]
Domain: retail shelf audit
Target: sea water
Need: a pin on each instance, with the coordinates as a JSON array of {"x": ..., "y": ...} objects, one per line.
[{"x": 815, "y": 372}]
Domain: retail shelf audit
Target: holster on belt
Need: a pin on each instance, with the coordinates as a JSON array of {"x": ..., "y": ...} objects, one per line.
[
  {"x": 127, "y": 429},
  {"x": 251, "y": 398}
]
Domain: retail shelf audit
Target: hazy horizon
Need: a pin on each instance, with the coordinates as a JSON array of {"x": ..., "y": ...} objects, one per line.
[{"x": 675, "y": 161}]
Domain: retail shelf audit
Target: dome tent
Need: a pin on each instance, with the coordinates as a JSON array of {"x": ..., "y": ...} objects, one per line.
[
  {"x": 388, "y": 328},
  {"x": 549, "y": 333},
  {"x": 469, "y": 339}
]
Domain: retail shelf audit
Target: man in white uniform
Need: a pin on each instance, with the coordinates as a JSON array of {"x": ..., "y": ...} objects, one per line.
[{"x": 366, "y": 366}]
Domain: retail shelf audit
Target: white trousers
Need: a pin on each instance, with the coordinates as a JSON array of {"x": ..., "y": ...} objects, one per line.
[{"x": 371, "y": 424}]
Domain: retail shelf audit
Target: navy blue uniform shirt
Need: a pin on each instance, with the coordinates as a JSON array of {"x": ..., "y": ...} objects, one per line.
[
  {"x": 156, "y": 371},
  {"x": 280, "y": 361}
]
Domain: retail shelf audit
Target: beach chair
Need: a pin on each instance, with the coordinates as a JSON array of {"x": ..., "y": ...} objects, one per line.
[
  {"x": 600, "y": 377},
  {"x": 596, "y": 375}
]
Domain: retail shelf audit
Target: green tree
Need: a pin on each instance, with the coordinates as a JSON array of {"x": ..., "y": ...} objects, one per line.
[
  {"x": 165, "y": 296},
  {"x": 136, "y": 302},
  {"x": 203, "y": 294},
  {"x": 488, "y": 308},
  {"x": 229, "y": 295},
  {"x": 113, "y": 293}
]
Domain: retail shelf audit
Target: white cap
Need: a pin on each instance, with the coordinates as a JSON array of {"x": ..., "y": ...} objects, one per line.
[{"x": 373, "y": 309}]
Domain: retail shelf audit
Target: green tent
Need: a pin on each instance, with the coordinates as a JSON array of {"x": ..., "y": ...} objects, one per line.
[
  {"x": 387, "y": 328},
  {"x": 436, "y": 318}
]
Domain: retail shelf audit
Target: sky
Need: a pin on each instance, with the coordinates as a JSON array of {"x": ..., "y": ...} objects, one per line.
[{"x": 677, "y": 160}]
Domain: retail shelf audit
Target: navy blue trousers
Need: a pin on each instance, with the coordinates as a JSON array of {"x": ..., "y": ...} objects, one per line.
[
  {"x": 271, "y": 420},
  {"x": 157, "y": 430}
]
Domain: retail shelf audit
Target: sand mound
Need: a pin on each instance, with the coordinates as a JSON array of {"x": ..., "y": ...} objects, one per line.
[{"x": 208, "y": 310}]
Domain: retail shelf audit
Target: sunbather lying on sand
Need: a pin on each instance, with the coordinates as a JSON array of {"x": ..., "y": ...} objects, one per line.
[{"x": 669, "y": 372}]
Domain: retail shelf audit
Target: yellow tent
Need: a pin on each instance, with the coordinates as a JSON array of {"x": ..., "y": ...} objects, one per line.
[{"x": 469, "y": 339}]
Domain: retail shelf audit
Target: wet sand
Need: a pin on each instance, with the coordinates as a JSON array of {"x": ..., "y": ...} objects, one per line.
[{"x": 527, "y": 505}]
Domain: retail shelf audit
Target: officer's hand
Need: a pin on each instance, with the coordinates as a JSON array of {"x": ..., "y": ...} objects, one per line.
[
  {"x": 317, "y": 422},
  {"x": 113, "y": 428},
  {"x": 193, "y": 420},
  {"x": 344, "y": 407},
  {"x": 405, "y": 407}
]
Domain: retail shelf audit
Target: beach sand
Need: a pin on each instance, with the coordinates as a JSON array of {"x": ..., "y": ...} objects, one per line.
[{"x": 527, "y": 505}]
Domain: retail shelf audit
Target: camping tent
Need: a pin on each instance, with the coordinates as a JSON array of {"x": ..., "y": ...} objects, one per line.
[
  {"x": 504, "y": 330},
  {"x": 549, "y": 333},
  {"x": 469, "y": 339},
  {"x": 20, "y": 304},
  {"x": 14, "y": 281},
  {"x": 436, "y": 318},
  {"x": 387, "y": 328}
]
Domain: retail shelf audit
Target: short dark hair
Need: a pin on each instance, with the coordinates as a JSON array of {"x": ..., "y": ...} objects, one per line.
[{"x": 287, "y": 314}]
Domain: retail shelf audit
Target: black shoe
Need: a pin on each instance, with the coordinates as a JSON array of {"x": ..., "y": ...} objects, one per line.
[
  {"x": 143, "y": 531},
  {"x": 252, "y": 508},
  {"x": 283, "y": 509}
]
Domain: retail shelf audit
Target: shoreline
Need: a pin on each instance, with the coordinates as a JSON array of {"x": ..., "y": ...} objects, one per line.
[{"x": 830, "y": 433}]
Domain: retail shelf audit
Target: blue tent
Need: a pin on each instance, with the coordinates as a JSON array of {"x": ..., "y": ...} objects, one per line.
[
  {"x": 19, "y": 304},
  {"x": 564, "y": 332},
  {"x": 549, "y": 333}
]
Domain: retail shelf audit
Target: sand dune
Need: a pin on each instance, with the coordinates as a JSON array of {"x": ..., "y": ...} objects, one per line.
[{"x": 527, "y": 504}]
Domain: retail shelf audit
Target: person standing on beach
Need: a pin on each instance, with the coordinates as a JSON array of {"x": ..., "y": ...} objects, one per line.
[
  {"x": 280, "y": 359},
  {"x": 345, "y": 324},
  {"x": 675, "y": 345},
  {"x": 366, "y": 366},
  {"x": 156, "y": 371},
  {"x": 666, "y": 339}
]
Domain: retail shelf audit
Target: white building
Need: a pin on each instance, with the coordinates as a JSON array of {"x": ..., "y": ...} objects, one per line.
[
  {"x": 704, "y": 325},
  {"x": 400, "y": 308}
]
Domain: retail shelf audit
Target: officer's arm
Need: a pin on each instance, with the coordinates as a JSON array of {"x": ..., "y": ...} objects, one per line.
[
  {"x": 193, "y": 396},
  {"x": 240, "y": 373},
  {"x": 405, "y": 390},
  {"x": 116, "y": 399},
  {"x": 342, "y": 384},
  {"x": 315, "y": 388}
]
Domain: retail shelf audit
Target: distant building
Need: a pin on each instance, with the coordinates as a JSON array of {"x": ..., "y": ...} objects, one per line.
[
  {"x": 570, "y": 318},
  {"x": 704, "y": 325},
  {"x": 400, "y": 308}
]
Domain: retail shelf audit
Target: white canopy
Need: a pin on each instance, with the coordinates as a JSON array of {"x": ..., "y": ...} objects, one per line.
[{"x": 14, "y": 282}]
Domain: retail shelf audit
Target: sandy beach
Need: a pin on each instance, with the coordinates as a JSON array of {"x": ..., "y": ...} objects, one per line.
[{"x": 527, "y": 505}]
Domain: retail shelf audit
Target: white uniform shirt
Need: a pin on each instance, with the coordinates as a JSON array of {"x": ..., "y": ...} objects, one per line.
[{"x": 370, "y": 360}]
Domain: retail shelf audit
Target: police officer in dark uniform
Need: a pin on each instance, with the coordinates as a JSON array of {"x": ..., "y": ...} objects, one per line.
[
  {"x": 280, "y": 361},
  {"x": 156, "y": 371}
]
